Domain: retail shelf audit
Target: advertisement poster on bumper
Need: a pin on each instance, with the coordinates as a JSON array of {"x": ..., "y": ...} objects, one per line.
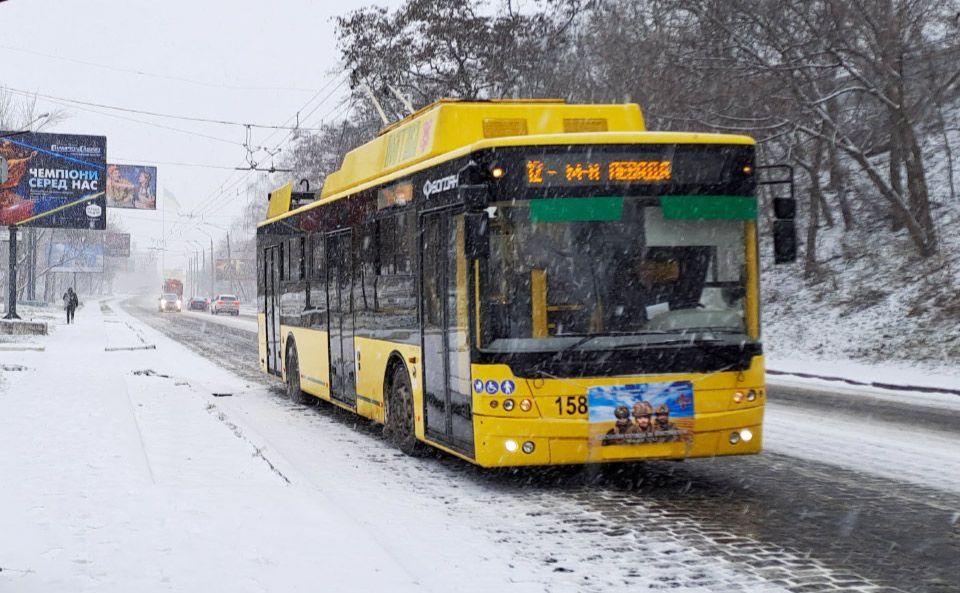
[
  {"x": 54, "y": 180},
  {"x": 132, "y": 186},
  {"x": 641, "y": 414}
]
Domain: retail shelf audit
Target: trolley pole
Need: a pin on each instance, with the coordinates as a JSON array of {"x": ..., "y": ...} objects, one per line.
[{"x": 12, "y": 276}]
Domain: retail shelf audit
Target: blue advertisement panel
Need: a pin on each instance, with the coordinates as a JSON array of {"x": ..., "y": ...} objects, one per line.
[
  {"x": 132, "y": 186},
  {"x": 641, "y": 413},
  {"x": 55, "y": 181}
]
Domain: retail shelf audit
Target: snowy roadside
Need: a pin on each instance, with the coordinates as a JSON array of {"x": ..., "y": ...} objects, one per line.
[
  {"x": 865, "y": 442},
  {"x": 892, "y": 383},
  {"x": 241, "y": 321}
]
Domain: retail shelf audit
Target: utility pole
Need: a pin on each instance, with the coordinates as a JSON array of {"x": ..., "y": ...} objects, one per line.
[
  {"x": 12, "y": 276},
  {"x": 233, "y": 284},
  {"x": 213, "y": 271},
  {"x": 31, "y": 264}
]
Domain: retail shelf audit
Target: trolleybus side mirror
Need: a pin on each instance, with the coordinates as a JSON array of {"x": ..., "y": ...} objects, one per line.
[
  {"x": 784, "y": 230},
  {"x": 476, "y": 235},
  {"x": 780, "y": 178}
]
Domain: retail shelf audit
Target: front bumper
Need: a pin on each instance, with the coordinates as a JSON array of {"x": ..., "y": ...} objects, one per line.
[{"x": 500, "y": 440}]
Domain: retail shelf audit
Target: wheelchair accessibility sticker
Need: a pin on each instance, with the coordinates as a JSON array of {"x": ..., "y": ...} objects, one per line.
[{"x": 493, "y": 387}]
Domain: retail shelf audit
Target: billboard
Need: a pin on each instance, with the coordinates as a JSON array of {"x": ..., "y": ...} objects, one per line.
[
  {"x": 228, "y": 269},
  {"x": 116, "y": 244},
  {"x": 54, "y": 180},
  {"x": 132, "y": 186},
  {"x": 69, "y": 257}
]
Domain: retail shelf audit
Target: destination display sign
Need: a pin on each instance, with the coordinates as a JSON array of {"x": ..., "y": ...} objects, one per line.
[{"x": 614, "y": 168}]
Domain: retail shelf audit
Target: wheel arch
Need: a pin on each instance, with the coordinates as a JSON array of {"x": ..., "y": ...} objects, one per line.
[
  {"x": 288, "y": 344},
  {"x": 393, "y": 361}
]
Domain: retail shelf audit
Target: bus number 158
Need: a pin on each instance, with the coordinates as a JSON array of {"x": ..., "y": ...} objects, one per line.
[{"x": 571, "y": 405}]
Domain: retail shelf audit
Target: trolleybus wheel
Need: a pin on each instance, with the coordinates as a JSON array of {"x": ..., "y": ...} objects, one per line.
[
  {"x": 294, "y": 392},
  {"x": 398, "y": 426}
]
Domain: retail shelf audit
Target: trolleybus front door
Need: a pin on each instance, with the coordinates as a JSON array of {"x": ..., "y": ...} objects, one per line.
[
  {"x": 448, "y": 410},
  {"x": 340, "y": 289},
  {"x": 271, "y": 275}
]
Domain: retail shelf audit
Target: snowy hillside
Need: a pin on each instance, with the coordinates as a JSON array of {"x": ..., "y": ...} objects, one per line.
[{"x": 875, "y": 298}]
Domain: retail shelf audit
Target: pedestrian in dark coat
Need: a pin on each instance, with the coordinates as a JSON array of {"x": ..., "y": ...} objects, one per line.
[{"x": 70, "y": 303}]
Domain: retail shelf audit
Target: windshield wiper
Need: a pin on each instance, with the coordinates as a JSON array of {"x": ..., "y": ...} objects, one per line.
[
  {"x": 704, "y": 345},
  {"x": 586, "y": 339}
]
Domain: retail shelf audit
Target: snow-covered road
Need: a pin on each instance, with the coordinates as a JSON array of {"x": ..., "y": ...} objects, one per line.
[{"x": 129, "y": 474}]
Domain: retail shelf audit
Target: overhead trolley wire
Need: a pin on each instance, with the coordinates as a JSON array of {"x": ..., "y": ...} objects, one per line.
[
  {"x": 153, "y": 74},
  {"x": 217, "y": 199},
  {"x": 153, "y": 113},
  {"x": 131, "y": 119}
]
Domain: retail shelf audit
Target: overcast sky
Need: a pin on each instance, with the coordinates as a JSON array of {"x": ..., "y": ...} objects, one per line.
[{"x": 238, "y": 60}]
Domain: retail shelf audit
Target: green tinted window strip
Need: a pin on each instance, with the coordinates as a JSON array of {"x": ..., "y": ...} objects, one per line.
[
  {"x": 709, "y": 207},
  {"x": 576, "y": 210}
]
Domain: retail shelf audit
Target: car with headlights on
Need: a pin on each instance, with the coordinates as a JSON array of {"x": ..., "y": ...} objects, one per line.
[{"x": 170, "y": 301}]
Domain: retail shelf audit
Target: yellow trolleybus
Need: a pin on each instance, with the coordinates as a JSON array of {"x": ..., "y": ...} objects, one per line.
[{"x": 526, "y": 283}]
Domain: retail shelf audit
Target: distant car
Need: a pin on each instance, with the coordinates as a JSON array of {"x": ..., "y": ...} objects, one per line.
[
  {"x": 170, "y": 301},
  {"x": 198, "y": 304},
  {"x": 225, "y": 303}
]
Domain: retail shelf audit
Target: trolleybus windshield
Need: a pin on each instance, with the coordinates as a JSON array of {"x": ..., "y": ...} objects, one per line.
[{"x": 614, "y": 270}]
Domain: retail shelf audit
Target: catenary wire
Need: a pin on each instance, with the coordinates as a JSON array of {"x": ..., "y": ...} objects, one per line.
[
  {"x": 153, "y": 74},
  {"x": 152, "y": 113}
]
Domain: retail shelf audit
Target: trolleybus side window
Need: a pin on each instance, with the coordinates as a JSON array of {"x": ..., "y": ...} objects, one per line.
[
  {"x": 395, "y": 286},
  {"x": 295, "y": 253},
  {"x": 318, "y": 274},
  {"x": 365, "y": 264}
]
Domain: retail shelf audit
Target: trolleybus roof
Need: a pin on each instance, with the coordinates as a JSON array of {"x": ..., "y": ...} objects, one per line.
[{"x": 448, "y": 128}]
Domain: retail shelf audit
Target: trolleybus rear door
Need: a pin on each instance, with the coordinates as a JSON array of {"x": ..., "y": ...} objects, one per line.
[
  {"x": 448, "y": 409},
  {"x": 340, "y": 288},
  {"x": 271, "y": 275}
]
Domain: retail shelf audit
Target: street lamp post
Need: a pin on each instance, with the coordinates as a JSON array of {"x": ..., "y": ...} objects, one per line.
[
  {"x": 234, "y": 281},
  {"x": 213, "y": 266}
]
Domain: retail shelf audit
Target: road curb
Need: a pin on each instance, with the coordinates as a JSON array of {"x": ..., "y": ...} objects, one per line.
[{"x": 875, "y": 384}]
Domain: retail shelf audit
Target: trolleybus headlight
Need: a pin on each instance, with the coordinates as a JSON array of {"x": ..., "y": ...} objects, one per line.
[
  {"x": 497, "y": 172},
  {"x": 511, "y": 445},
  {"x": 738, "y": 397},
  {"x": 526, "y": 405},
  {"x": 747, "y": 435},
  {"x": 734, "y": 437},
  {"x": 751, "y": 395},
  {"x": 528, "y": 447},
  {"x": 508, "y": 405}
]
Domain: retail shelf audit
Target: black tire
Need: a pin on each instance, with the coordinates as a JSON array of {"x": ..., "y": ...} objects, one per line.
[
  {"x": 294, "y": 392},
  {"x": 398, "y": 427}
]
